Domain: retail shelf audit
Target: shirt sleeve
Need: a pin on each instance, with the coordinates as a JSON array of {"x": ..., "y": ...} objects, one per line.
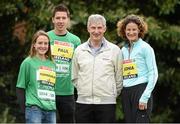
[
  {"x": 78, "y": 42},
  {"x": 20, "y": 93},
  {"x": 23, "y": 76},
  {"x": 152, "y": 74}
]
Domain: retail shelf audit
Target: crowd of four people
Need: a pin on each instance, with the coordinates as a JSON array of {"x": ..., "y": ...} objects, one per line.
[{"x": 98, "y": 69}]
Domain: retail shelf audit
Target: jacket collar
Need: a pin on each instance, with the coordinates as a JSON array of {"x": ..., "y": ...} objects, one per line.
[
  {"x": 105, "y": 45},
  {"x": 133, "y": 43}
]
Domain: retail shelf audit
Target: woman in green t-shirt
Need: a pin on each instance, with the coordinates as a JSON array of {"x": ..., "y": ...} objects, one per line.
[{"x": 36, "y": 81}]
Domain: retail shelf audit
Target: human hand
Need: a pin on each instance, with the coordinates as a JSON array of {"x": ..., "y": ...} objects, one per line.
[{"x": 142, "y": 106}]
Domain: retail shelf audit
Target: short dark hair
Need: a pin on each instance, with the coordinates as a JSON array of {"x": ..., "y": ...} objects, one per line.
[{"x": 61, "y": 8}]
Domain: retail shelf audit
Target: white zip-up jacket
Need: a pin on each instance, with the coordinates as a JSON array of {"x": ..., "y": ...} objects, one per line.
[{"x": 98, "y": 78}]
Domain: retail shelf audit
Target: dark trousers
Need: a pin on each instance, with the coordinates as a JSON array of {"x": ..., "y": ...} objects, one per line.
[
  {"x": 66, "y": 108},
  {"x": 95, "y": 113},
  {"x": 130, "y": 102}
]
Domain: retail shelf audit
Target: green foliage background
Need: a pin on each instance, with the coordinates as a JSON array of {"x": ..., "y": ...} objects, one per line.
[{"x": 162, "y": 16}]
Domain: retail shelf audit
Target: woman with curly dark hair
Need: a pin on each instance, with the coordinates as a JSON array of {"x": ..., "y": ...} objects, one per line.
[{"x": 139, "y": 70}]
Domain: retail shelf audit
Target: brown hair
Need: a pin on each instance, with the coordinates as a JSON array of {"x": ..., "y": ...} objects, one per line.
[
  {"x": 61, "y": 8},
  {"x": 142, "y": 26},
  {"x": 32, "y": 51}
]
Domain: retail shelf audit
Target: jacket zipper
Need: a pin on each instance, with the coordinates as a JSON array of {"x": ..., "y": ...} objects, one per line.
[
  {"x": 130, "y": 48},
  {"x": 93, "y": 79}
]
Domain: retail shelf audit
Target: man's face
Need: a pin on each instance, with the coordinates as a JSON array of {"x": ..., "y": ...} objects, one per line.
[
  {"x": 60, "y": 21},
  {"x": 96, "y": 31}
]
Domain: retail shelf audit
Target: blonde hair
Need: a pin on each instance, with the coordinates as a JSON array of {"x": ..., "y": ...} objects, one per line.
[
  {"x": 142, "y": 26},
  {"x": 32, "y": 51}
]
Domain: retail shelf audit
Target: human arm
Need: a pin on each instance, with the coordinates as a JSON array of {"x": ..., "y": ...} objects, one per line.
[
  {"x": 22, "y": 82},
  {"x": 118, "y": 72},
  {"x": 152, "y": 76},
  {"x": 20, "y": 93},
  {"x": 75, "y": 69}
]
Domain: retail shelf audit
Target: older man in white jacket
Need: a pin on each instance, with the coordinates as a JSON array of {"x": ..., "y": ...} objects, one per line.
[{"x": 97, "y": 75}]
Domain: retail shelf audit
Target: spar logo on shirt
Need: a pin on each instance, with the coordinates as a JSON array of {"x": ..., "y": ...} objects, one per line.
[
  {"x": 46, "y": 78},
  {"x": 129, "y": 69},
  {"x": 62, "y": 53},
  {"x": 63, "y": 50}
]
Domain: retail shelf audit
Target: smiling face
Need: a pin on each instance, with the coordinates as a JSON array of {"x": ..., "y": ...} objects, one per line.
[
  {"x": 96, "y": 31},
  {"x": 41, "y": 45},
  {"x": 60, "y": 21},
  {"x": 132, "y": 32}
]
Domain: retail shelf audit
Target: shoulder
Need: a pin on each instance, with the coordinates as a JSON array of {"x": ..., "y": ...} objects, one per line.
[
  {"x": 115, "y": 50},
  {"x": 112, "y": 45},
  {"x": 82, "y": 46},
  {"x": 26, "y": 61},
  {"x": 74, "y": 39},
  {"x": 73, "y": 36},
  {"x": 50, "y": 32},
  {"x": 144, "y": 44},
  {"x": 146, "y": 48}
]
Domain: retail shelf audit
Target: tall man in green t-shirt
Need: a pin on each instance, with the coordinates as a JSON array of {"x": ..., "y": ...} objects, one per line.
[{"x": 63, "y": 44}]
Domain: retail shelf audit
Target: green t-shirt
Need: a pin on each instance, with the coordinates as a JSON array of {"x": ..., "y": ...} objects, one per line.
[
  {"x": 38, "y": 79},
  {"x": 62, "y": 49}
]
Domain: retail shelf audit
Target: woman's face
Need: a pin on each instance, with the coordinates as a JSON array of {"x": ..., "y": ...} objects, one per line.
[
  {"x": 132, "y": 32},
  {"x": 42, "y": 45}
]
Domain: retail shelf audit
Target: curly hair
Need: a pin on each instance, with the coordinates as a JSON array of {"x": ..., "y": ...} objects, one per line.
[{"x": 121, "y": 26}]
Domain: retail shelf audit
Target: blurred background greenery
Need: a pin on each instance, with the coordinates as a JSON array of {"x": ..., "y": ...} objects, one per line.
[{"x": 19, "y": 19}]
